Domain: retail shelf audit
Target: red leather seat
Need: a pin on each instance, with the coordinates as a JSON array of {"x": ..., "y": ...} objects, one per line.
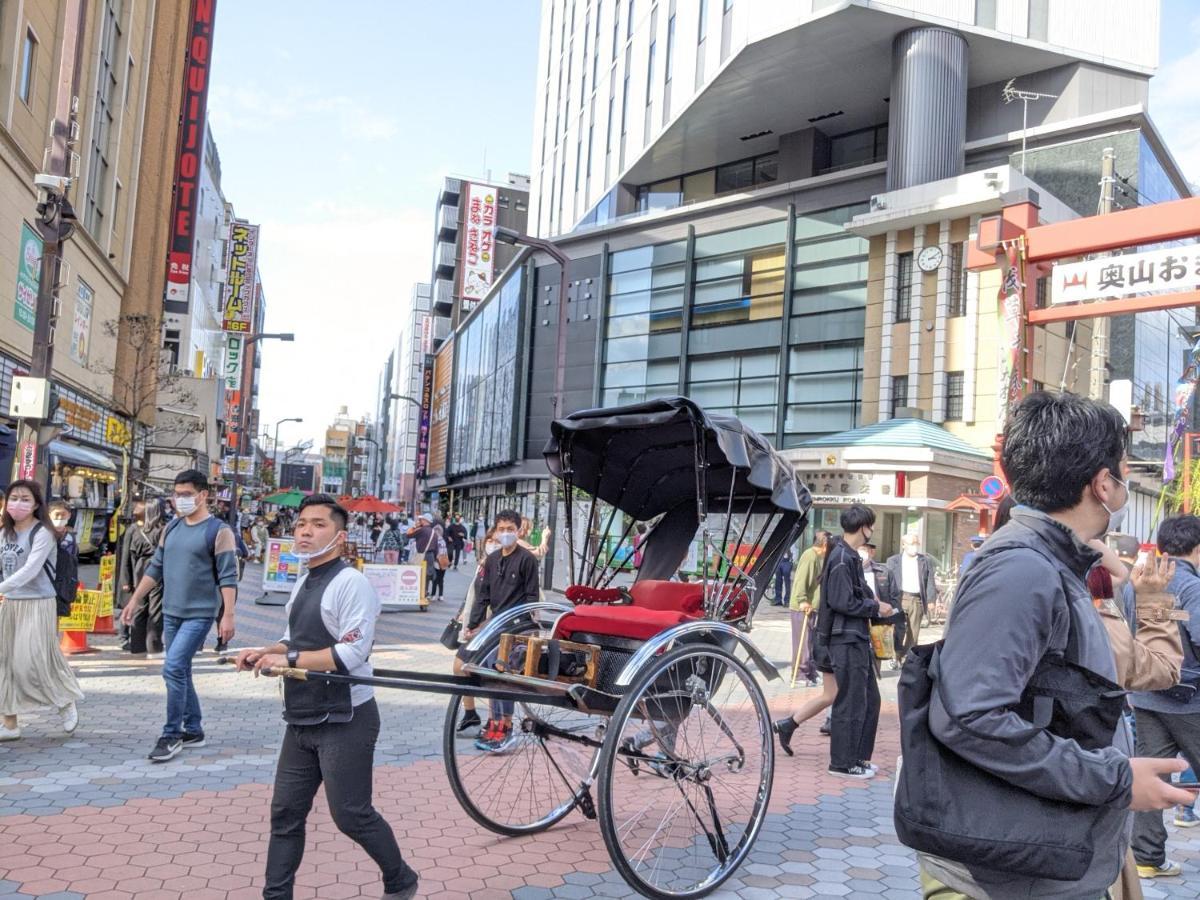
[{"x": 657, "y": 606}]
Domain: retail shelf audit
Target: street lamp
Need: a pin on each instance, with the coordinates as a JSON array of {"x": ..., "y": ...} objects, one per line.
[
  {"x": 275, "y": 449},
  {"x": 241, "y": 425},
  {"x": 412, "y": 503},
  {"x": 512, "y": 236}
]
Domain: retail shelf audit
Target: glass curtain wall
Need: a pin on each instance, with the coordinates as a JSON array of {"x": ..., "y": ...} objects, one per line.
[
  {"x": 826, "y": 325},
  {"x": 736, "y": 323},
  {"x": 645, "y": 313}
]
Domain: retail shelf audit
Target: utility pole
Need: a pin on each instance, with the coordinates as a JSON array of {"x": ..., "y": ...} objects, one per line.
[
  {"x": 55, "y": 218},
  {"x": 1098, "y": 370}
]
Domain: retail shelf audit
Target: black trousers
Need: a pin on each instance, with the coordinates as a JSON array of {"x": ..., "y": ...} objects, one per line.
[
  {"x": 1163, "y": 736},
  {"x": 856, "y": 707},
  {"x": 146, "y": 632},
  {"x": 456, "y": 552},
  {"x": 342, "y": 757},
  {"x": 436, "y": 582}
]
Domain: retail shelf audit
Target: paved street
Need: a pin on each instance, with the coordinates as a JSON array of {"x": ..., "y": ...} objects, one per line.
[{"x": 88, "y": 816}]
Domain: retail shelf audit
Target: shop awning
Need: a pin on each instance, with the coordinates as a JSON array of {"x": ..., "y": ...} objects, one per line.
[{"x": 80, "y": 456}]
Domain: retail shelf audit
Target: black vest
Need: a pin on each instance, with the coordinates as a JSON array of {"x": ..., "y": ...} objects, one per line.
[{"x": 317, "y": 701}]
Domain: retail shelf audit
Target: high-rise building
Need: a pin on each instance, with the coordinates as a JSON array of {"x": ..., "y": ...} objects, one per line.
[{"x": 766, "y": 205}]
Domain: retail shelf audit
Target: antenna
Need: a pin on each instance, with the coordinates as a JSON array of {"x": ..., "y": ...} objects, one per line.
[{"x": 1012, "y": 93}]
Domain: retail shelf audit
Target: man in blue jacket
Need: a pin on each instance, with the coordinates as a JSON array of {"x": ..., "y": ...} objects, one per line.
[{"x": 1168, "y": 726}]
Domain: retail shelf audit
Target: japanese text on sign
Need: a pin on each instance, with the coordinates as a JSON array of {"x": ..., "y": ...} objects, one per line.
[
  {"x": 479, "y": 258},
  {"x": 29, "y": 267},
  {"x": 1169, "y": 269},
  {"x": 241, "y": 266}
]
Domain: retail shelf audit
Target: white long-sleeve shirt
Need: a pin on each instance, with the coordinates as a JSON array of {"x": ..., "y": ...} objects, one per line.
[
  {"x": 349, "y": 609},
  {"x": 23, "y": 558}
]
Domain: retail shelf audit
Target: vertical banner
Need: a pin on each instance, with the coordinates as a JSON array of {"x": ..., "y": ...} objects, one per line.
[
  {"x": 479, "y": 242},
  {"x": 234, "y": 346},
  {"x": 27, "y": 460},
  {"x": 29, "y": 270},
  {"x": 1011, "y": 310},
  {"x": 81, "y": 326},
  {"x": 193, "y": 114},
  {"x": 241, "y": 265},
  {"x": 426, "y": 410}
]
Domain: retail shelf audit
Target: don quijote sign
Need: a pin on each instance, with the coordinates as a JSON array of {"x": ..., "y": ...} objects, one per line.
[{"x": 190, "y": 155}]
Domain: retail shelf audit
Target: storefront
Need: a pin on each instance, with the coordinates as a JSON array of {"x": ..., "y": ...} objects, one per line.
[
  {"x": 88, "y": 481},
  {"x": 909, "y": 472}
]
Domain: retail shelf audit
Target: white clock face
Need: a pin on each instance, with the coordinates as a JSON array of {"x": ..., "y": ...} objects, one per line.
[{"x": 930, "y": 259}]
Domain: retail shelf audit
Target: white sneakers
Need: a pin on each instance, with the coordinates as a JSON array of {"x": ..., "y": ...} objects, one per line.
[
  {"x": 9, "y": 734},
  {"x": 70, "y": 718}
]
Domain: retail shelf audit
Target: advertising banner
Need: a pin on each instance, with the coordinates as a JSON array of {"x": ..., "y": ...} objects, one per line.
[
  {"x": 27, "y": 459},
  {"x": 426, "y": 410},
  {"x": 1110, "y": 277},
  {"x": 194, "y": 112},
  {"x": 398, "y": 587},
  {"x": 282, "y": 568},
  {"x": 241, "y": 264},
  {"x": 29, "y": 270},
  {"x": 1010, "y": 307},
  {"x": 439, "y": 427},
  {"x": 479, "y": 242},
  {"x": 233, "y": 412},
  {"x": 81, "y": 327}
]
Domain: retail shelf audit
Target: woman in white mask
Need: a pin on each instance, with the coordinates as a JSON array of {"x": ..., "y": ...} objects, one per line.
[{"x": 34, "y": 674}]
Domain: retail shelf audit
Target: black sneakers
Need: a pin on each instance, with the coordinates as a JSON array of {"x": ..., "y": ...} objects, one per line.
[
  {"x": 165, "y": 749},
  {"x": 468, "y": 726},
  {"x": 193, "y": 740},
  {"x": 785, "y": 728},
  {"x": 851, "y": 772}
]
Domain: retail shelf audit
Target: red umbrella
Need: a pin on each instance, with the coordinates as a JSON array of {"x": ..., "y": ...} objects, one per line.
[{"x": 370, "y": 504}]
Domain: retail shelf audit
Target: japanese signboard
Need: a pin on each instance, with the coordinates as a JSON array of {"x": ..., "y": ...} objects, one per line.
[
  {"x": 29, "y": 269},
  {"x": 240, "y": 268},
  {"x": 1134, "y": 273},
  {"x": 81, "y": 327},
  {"x": 479, "y": 242},
  {"x": 194, "y": 111},
  {"x": 27, "y": 459},
  {"x": 426, "y": 410},
  {"x": 1009, "y": 307},
  {"x": 397, "y": 586},
  {"x": 282, "y": 567},
  {"x": 233, "y": 418},
  {"x": 439, "y": 419},
  {"x": 233, "y": 361}
]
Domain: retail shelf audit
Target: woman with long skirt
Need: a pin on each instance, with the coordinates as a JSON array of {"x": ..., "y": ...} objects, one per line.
[{"x": 34, "y": 674}]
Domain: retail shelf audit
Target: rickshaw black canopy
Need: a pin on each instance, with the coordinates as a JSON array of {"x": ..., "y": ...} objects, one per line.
[{"x": 644, "y": 460}]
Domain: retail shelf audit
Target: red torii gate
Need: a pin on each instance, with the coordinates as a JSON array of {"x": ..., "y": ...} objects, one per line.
[{"x": 1041, "y": 245}]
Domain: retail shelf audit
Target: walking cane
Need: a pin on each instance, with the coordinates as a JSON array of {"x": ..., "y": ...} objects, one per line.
[{"x": 800, "y": 649}]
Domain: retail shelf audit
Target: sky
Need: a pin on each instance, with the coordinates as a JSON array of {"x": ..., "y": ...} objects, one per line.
[{"x": 335, "y": 130}]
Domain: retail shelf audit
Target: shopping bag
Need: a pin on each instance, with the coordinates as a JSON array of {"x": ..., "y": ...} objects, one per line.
[{"x": 883, "y": 641}]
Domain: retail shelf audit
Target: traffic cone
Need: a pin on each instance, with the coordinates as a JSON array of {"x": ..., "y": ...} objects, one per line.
[{"x": 74, "y": 642}]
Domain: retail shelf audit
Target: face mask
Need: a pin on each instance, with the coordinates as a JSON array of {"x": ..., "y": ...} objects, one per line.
[
  {"x": 60, "y": 523},
  {"x": 20, "y": 509},
  {"x": 506, "y": 539},
  {"x": 306, "y": 557},
  {"x": 1116, "y": 517},
  {"x": 185, "y": 506}
]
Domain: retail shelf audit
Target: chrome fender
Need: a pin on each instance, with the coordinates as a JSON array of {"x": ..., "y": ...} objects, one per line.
[
  {"x": 664, "y": 640},
  {"x": 496, "y": 624}
]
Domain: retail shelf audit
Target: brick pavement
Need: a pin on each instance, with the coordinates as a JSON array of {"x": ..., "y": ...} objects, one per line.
[{"x": 88, "y": 816}]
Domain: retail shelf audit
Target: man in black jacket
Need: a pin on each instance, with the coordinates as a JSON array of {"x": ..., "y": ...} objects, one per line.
[
  {"x": 1022, "y": 599},
  {"x": 915, "y": 574},
  {"x": 844, "y": 639},
  {"x": 456, "y": 537}
]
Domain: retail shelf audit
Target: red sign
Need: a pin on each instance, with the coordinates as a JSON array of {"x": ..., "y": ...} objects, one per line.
[
  {"x": 233, "y": 420},
  {"x": 27, "y": 460},
  {"x": 190, "y": 156},
  {"x": 408, "y": 579},
  {"x": 993, "y": 486}
]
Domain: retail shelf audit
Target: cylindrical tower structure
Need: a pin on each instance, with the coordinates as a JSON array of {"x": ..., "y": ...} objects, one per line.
[{"x": 927, "y": 121}]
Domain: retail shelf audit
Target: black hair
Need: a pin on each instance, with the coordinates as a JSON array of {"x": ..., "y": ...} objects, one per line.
[
  {"x": 856, "y": 517},
  {"x": 1003, "y": 511},
  {"x": 1179, "y": 535},
  {"x": 194, "y": 477},
  {"x": 822, "y": 537},
  {"x": 336, "y": 511},
  {"x": 509, "y": 515},
  {"x": 41, "y": 512},
  {"x": 1055, "y": 444}
]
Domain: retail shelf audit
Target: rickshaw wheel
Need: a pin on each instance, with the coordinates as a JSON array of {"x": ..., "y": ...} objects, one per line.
[
  {"x": 538, "y": 780},
  {"x": 685, "y": 773}
]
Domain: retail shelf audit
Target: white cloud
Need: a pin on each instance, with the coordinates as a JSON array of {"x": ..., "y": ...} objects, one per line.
[
  {"x": 250, "y": 109},
  {"x": 1174, "y": 104}
]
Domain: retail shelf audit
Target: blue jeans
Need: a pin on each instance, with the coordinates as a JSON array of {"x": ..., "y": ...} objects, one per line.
[{"x": 182, "y": 638}]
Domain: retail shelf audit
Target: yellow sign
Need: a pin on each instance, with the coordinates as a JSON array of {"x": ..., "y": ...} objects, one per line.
[
  {"x": 83, "y": 613},
  {"x": 116, "y": 432},
  {"x": 77, "y": 415}
]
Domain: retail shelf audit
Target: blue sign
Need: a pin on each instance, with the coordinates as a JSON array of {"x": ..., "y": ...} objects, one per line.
[{"x": 993, "y": 486}]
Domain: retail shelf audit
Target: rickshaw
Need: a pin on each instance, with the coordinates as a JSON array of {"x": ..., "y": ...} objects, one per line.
[{"x": 634, "y": 699}]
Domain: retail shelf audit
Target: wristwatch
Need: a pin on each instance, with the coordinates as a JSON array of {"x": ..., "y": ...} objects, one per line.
[{"x": 293, "y": 657}]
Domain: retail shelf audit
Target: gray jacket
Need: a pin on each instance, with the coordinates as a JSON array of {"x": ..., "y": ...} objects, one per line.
[{"x": 1012, "y": 609}]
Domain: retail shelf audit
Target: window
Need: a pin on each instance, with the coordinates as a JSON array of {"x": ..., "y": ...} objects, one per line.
[
  {"x": 128, "y": 82},
  {"x": 954, "y": 396},
  {"x": 726, "y": 29},
  {"x": 650, "y": 65},
  {"x": 1039, "y": 20},
  {"x": 629, "y": 21},
  {"x": 703, "y": 32},
  {"x": 102, "y": 123},
  {"x": 985, "y": 13},
  {"x": 28, "y": 63},
  {"x": 899, "y": 394},
  {"x": 1042, "y": 293},
  {"x": 708, "y": 183},
  {"x": 587, "y": 30},
  {"x": 670, "y": 66},
  {"x": 596, "y": 43},
  {"x": 904, "y": 273},
  {"x": 957, "y": 302},
  {"x": 616, "y": 28}
]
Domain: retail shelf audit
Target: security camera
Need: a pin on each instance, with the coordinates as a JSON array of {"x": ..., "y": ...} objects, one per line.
[{"x": 55, "y": 184}]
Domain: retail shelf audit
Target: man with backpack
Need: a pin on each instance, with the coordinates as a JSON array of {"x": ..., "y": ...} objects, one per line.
[
  {"x": 1168, "y": 722},
  {"x": 66, "y": 569},
  {"x": 1016, "y": 778},
  {"x": 196, "y": 561}
]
